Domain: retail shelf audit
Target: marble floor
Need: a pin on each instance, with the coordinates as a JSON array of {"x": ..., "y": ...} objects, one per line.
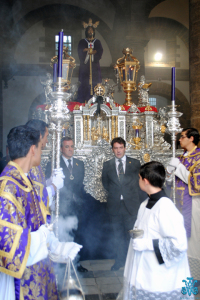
[{"x": 99, "y": 283}]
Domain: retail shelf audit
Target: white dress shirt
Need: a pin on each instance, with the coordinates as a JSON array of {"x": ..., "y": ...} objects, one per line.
[
  {"x": 123, "y": 159},
  {"x": 66, "y": 161}
]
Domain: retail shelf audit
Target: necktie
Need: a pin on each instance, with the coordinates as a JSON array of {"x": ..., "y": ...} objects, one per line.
[
  {"x": 69, "y": 165},
  {"x": 120, "y": 169}
]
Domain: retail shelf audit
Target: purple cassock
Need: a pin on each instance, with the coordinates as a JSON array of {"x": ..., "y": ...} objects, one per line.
[
  {"x": 23, "y": 209},
  {"x": 185, "y": 192},
  {"x": 84, "y": 92}
]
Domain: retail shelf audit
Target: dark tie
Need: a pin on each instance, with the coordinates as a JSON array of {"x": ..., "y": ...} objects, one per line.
[
  {"x": 69, "y": 165},
  {"x": 120, "y": 169}
]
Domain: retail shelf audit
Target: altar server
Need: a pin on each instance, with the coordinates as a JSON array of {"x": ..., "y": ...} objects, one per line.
[
  {"x": 157, "y": 262},
  {"x": 25, "y": 269},
  {"x": 187, "y": 172}
]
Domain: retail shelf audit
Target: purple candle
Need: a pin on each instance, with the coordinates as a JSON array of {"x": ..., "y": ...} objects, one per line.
[
  {"x": 55, "y": 69},
  {"x": 136, "y": 133},
  {"x": 60, "y": 53},
  {"x": 173, "y": 84}
]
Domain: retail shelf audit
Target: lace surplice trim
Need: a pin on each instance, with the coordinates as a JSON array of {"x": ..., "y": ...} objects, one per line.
[
  {"x": 169, "y": 252},
  {"x": 130, "y": 292}
]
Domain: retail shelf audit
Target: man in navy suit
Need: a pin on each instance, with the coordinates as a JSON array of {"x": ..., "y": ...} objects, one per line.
[
  {"x": 71, "y": 195},
  {"x": 121, "y": 180}
]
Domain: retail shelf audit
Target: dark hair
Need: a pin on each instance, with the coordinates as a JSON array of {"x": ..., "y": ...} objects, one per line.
[
  {"x": 192, "y": 132},
  {"x": 86, "y": 31},
  {"x": 154, "y": 172},
  {"x": 65, "y": 138},
  {"x": 20, "y": 139},
  {"x": 118, "y": 140},
  {"x": 38, "y": 125}
]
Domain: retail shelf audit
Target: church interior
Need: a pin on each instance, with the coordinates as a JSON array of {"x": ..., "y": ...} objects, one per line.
[{"x": 28, "y": 31}]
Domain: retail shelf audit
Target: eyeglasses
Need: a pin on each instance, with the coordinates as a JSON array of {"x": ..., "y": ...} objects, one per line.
[{"x": 182, "y": 137}]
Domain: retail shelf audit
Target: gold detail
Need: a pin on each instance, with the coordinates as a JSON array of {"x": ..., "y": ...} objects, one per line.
[
  {"x": 99, "y": 89},
  {"x": 84, "y": 128},
  {"x": 88, "y": 127},
  {"x": 122, "y": 107},
  {"x": 146, "y": 157},
  {"x": 196, "y": 186},
  {"x": 19, "y": 230},
  {"x": 116, "y": 126},
  {"x": 113, "y": 128},
  {"x": 146, "y": 85},
  {"x": 105, "y": 135},
  {"x": 129, "y": 162},
  {"x": 90, "y": 77},
  {"x": 85, "y": 25},
  {"x": 18, "y": 274},
  {"x": 21, "y": 293},
  {"x": 76, "y": 164},
  {"x": 94, "y": 135},
  {"x": 12, "y": 163},
  {"x": 77, "y": 107},
  {"x": 12, "y": 199},
  {"x": 163, "y": 128},
  {"x": 128, "y": 67},
  {"x": 148, "y": 108},
  {"x": 189, "y": 153},
  {"x": 137, "y": 141}
]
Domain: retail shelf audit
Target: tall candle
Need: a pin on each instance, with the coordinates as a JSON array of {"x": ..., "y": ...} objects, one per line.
[
  {"x": 60, "y": 53},
  {"x": 173, "y": 84}
]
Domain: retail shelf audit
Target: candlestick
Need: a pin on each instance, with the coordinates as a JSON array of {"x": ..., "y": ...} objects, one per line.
[
  {"x": 55, "y": 75},
  {"x": 173, "y": 84},
  {"x": 60, "y": 53}
]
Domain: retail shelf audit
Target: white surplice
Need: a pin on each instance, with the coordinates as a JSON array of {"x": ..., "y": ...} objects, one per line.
[{"x": 144, "y": 277}]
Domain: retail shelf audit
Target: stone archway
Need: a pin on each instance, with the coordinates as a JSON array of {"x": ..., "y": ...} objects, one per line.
[
  {"x": 164, "y": 28},
  {"x": 163, "y": 89}
]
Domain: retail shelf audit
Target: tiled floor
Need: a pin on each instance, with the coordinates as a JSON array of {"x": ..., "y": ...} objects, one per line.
[{"x": 99, "y": 283}]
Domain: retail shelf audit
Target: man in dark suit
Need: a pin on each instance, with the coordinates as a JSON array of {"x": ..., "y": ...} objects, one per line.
[
  {"x": 71, "y": 195},
  {"x": 120, "y": 179}
]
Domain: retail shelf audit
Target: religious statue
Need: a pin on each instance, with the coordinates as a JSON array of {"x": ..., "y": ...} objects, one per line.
[
  {"x": 105, "y": 134},
  {"x": 143, "y": 92},
  {"x": 90, "y": 51}
]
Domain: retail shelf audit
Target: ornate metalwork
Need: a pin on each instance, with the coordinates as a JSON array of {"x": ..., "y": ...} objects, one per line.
[
  {"x": 93, "y": 170},
  {"x": 128, "y": 67},
  {"x": 143, "y": 92},
  {"x": 143, "y": 129},
  {"x": 173, "y": 127}
]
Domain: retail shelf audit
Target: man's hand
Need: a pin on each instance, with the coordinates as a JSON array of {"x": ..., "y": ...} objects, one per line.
[
  {"x": 89, "y": 51},
  {"x": 173, "y": 164},
  {"x": 63, "y": 250},
  {"x": 57, "y": 182},
  {"x": 59, "y": 172},
  {"x": 58, "y": 178}
]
